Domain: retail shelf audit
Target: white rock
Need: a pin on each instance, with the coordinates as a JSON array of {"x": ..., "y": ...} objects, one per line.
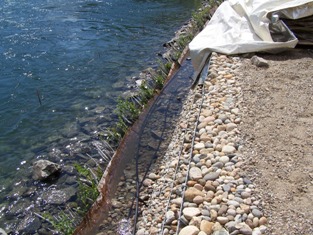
[
  {"x": 169, "y": 217},
  {"x": 177, "y": 201},
  {"x": 256, "y": 231},
  {"x": 195, "y": 173},
  {"x": 231, "y": 126},
  {"x": 190, "y": 212},
  {"x": 141, "y": 232},
  {"x": 227, "y": 149},
  {"x": 224, "y": 159},
  {"x": 199, "y": 146},
  {"x": 202, "y": 233},
  {"x": 153, "y": 176},
  {"x": 189, "y": 230}
]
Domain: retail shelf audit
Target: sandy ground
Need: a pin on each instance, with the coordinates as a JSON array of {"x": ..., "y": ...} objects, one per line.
[{"x": 277, "y": 131}]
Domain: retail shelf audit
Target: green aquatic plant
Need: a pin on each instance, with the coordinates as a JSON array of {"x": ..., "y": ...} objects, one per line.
[
  {"x": 159, "y": 81},
  {"x": 62, "y": 223},
  {"x": 88, "y": 183},
  {"x": 127, "y": 109},
  {"x": 199, "y": 18}
]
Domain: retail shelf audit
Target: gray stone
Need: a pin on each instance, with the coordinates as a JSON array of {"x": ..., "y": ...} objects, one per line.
[
  {"x": 218, "y": 165},
  {"x": 231, "y": 212},
  {"x": 226, "y": 188},
  {"x": 29, "y": 225},
  {"x": 231, "y": 226},
  {"x": 211, "y": 176},
  {"x": 58, "y": 197},
  {"x": 245, "y": 194},
  {"x": 257, "y": 213},
  {"x": 233, "y": 203},
  {"x": 222, "y": 210},
  {"x": 2, "y": 232},
  {"x": 17, "y": 209},
  {"x": 44, "y": 170},
  {"x": 196, "y": 159},
  {"x": 244, "y": 229},
  {"x": 177, "y": 201},
  {"x": 259, "y": 62}
]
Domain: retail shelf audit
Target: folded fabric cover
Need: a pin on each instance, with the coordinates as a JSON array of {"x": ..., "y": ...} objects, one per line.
[{"x": 243, "y": 26}]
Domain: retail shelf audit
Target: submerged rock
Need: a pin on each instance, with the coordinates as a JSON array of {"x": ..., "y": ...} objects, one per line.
[
  {"x": 45, "y": 170},
  {"x": 58, "y": 197},
  {"x": 2, "y": 232},
  {"x": 29, "y": 225}
]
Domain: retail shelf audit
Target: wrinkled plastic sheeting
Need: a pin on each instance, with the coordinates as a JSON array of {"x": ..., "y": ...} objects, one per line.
[{"x": 244, "y": 26}]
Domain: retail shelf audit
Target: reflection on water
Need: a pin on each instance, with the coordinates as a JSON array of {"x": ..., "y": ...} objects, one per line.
[{"x": 59, "y": 61}]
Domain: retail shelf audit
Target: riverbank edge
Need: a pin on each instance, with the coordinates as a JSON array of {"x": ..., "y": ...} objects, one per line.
[{"x": 179, "y": 41}]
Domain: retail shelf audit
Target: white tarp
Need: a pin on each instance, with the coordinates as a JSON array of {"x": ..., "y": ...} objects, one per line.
[{"x": 243, "y": 26}]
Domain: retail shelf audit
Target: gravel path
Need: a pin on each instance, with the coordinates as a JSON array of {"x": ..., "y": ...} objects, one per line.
[
  {"x": 240, "y": 160},
  {"x": 198, "y": 187}
]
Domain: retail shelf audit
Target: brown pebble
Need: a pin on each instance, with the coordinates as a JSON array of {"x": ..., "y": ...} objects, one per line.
[
  {"x": 198, "y": 186},
  {"x": 262, "y": 221},
  {"x": 191, "y": 183}
]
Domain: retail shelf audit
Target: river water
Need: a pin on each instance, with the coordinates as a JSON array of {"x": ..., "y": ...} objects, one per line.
[{"x": 62, "y": 66}]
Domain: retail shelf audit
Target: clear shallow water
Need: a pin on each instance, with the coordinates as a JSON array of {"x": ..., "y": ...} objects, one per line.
[{"x": 70, "y": 56}]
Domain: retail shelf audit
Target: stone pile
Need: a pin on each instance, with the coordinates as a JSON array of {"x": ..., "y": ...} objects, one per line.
[{"x": 198, "y": 187}]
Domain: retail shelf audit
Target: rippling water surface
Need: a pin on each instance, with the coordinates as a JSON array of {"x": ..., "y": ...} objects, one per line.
[{"x": 61, "y": 66}]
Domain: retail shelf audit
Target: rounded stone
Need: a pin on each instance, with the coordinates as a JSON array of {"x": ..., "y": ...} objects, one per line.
[
  {"x": 189, "y": 230},
  {"x": 231, "y": 126},
  {"x": 211, "y": 176},
  {"x": 198, "y": 200},
  {"x": 257, "y": 213},
  {"x": 227, "y": 149},
  {"x": 222, "y": 220},
  {"x": 224, "y": 159},
  {"x": 199, "y": 146},
  {"x": 195, "y": 173},
  {"x": 190, "y": 212},
  {"x": 245, "y": 195},
  {"x": 206, "y": 226},
  {"x": 191, "y": 193},
  {"x": 262, "y": 221},
  {"x": 169, "y": 217}
]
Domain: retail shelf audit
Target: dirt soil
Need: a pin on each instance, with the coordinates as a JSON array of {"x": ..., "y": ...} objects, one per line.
[{"x": 278, "y": 138}]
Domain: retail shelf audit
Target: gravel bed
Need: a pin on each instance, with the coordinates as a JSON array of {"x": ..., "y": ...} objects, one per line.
[{"x": 199, "y": 186}]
